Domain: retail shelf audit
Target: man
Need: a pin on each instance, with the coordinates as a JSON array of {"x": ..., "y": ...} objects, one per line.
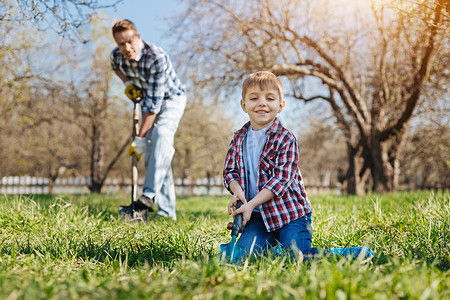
[{"x": 147, "y": 72}]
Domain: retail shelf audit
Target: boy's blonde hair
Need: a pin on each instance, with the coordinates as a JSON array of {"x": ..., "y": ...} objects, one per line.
[
  {"x": 265, "y": 80},
  {"x": 123, "y": 25}
]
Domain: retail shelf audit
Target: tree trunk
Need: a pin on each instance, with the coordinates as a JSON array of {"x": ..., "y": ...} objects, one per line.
[
  {"x": 51, "y": 185},
  {"x": 379, "y": 160},
  {"x": 395, "y": 174},
  {"x": 394, "y": 152},
  {"x": 187, "y": 176},
  {"x": 355, "y": 182},
  {"x": 97, "y": 158},
  {"x": 382, "y": 164},
  {"x": 379, "y": 166}
]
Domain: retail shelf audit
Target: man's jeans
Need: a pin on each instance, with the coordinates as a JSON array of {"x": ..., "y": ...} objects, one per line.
[
  {"x": 159, "y": 181},
  {"x": 296, "y": 235}
]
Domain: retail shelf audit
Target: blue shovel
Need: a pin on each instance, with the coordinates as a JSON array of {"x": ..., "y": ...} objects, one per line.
[{"x": 232, "y": 252}]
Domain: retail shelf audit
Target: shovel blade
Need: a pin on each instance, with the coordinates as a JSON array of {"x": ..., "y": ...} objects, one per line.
[
  {"x": 231, "y": 252},
  {"x": 130, "y": 215}
]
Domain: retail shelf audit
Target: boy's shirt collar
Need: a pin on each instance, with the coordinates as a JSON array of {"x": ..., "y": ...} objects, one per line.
[
  {"x": 274, "y": 128},
  {"x": 260, "y": 130}
]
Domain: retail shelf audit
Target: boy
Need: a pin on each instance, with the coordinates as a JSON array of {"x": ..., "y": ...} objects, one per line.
[{"x": 261, "y": 169}]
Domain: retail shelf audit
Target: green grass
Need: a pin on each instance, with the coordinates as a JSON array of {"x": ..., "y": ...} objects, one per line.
[{"x": 76, "y": 247}]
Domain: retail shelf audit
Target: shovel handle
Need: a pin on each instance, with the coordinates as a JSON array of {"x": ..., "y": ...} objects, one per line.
[
  {"x": 134, "y": 161},
  {"x": 237, "y": 221}
]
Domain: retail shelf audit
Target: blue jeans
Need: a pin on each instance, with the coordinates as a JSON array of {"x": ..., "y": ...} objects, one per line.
[
  {"x": 296, "y": 235},
  {"x": 158, "y": 156}
]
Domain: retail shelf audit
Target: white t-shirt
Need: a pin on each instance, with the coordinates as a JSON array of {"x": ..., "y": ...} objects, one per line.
[{"x": 254, "y": 146}]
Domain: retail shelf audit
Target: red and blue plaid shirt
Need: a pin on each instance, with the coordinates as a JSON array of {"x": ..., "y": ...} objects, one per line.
[
  {"x": 278, "y": 172},
  {"x": 153, "y": 73}
]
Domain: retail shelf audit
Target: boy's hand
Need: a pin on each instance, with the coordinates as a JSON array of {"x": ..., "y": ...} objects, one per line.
[
  {"x": 233, "y": 203},
  {"x": 247, "y": 208},
  {"x": 246, "y": 211}
]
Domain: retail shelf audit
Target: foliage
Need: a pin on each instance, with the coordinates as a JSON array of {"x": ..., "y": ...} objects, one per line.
[
  {"x": 426, "y": 160},
  {"x": 201, "y": 141},
  {"x": 370, "y": 61},
  {"x": 77, "y": 247},
  {"x": 316, "y": 142},
  {"x": 63, "y": 115},
  {"x": 63, "y": 112},
  {"x": 65, "y": 17}
]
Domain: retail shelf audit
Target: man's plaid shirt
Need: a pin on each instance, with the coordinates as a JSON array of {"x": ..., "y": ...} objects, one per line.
[
  {"x": 153, "y": 73},
  {"x": 278, "y": 172}
]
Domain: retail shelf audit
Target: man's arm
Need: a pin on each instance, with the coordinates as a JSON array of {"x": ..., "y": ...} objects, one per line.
[
  {"x": 147, "y": 122},
  {"x": 156, "y": 77},
  {"x": 121, "y": 75},
  {"x": 147, "y": 118}
]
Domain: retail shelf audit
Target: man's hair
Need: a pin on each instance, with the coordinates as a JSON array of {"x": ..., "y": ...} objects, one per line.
[
  {"x": 123, "y": 25},
  {"x": 265, "y": 80}
]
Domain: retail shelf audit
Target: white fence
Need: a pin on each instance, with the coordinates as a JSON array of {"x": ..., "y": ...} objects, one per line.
[{"x": 80, "y": 185}]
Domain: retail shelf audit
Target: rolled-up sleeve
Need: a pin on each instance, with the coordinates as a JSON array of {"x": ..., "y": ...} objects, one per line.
[
  {"x": 156, "y": 85},
  {"x": 112, "y": 59}
]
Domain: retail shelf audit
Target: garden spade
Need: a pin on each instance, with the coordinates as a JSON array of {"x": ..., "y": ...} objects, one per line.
[
  {"x": 231, "y": 251},
  {"x": 129, "y": 213}
]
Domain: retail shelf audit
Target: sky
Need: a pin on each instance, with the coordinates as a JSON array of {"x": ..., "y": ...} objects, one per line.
[{"x": 149, "y": 16}]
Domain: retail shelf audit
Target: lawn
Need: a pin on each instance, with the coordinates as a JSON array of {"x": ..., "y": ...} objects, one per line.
[{"x": 76, "y": 247}]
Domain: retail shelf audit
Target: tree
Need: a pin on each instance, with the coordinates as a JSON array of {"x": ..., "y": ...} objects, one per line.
[
  {"x": 94, "y": 110},
  {"x": 17, "y": 43},
  {"x": 322, "y": 152},
  {"x": 65, "y": 17},
  {"x": 64, "y": 118},
  {"x": 201, "y": 141},
  {"x": 426, "y": 158},
  {"x": 369, "y": 61}
]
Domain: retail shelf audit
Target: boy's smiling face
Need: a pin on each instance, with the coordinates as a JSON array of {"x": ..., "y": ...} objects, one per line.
[{"x": 262, "y": 106}]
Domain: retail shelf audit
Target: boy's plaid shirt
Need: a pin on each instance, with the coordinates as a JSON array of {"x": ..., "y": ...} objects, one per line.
[
  {"x": 278, "y": 172},
  {"x": 153, "y": 74}
]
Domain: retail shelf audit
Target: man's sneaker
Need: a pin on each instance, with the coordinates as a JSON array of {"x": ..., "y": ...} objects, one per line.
[{"x": 145, "y": 202}]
